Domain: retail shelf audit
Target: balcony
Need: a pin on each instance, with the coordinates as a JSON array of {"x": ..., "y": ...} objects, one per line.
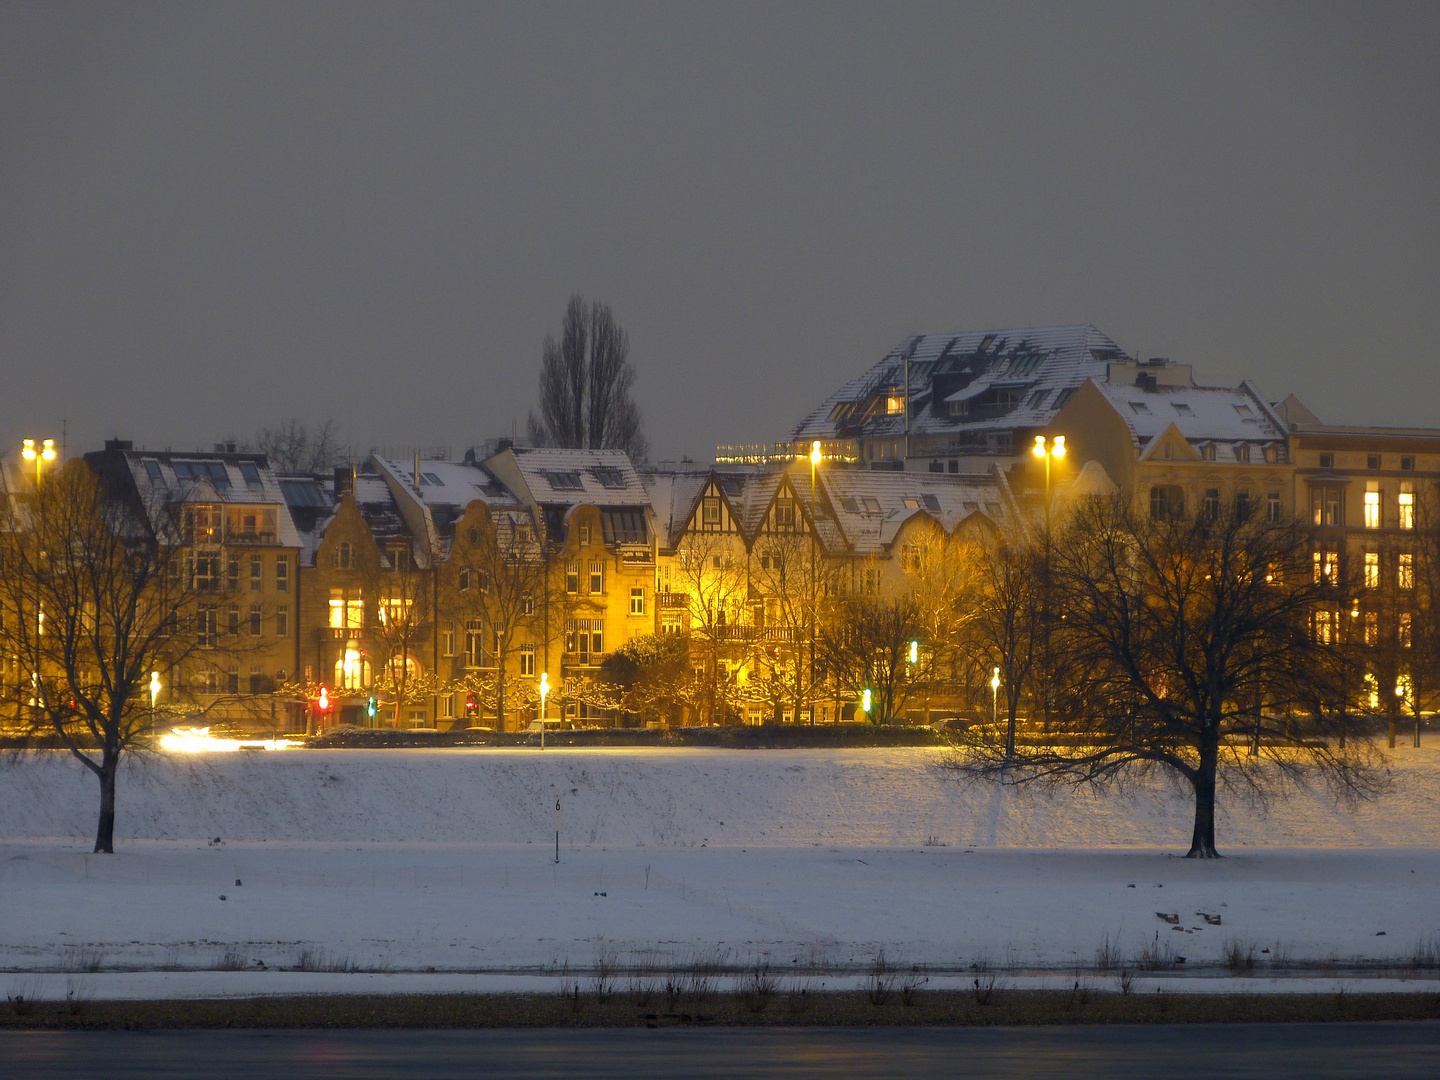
[{"x": 673, "y": 600}]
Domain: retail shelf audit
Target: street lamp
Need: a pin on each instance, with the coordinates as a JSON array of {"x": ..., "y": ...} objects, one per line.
[
  {"x": 995, "y": 699},
  {"x": 154, "y": 695},
  {"x": 41, "y": 455},
  {"x": 814, "y": 516},
  {"x": 544, "y": 690},
  {"x": 1056, "y": 449}
]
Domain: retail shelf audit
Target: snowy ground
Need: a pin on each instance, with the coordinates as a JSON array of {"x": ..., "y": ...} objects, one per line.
[{"x": 434, "y": 870}]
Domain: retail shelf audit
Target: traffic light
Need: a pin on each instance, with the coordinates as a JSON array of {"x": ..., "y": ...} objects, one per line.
[
  {"x": 370, "y": 707},
  {"x": 914, "y": 652},
  {"x": 865, "y": 700},
  {"x": 322, "y": 703},
  {"x": 470, "y": 703}
]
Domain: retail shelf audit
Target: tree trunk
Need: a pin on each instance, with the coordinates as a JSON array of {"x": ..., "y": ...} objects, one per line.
[
  {"x": 105, "y": 831},
  {"x": 1011, "y": 708},
  {"x": 1202, "y": 841}
]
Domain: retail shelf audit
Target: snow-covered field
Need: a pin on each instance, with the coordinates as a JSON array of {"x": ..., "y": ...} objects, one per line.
[{"x": 433, "y": 869}]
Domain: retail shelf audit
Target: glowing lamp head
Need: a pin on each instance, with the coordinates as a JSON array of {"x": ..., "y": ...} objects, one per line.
[
  {"x": 995, "y": 680},
  {"x": 1039, "y": 448},
  {"x": 914, "y": 651},
  {"x": 1058, "y": 450},
  {"x": 544, "y": 683},
  {"x": 27, "y": 449},
  {"x": 815, "y": 452},
  {"x": 865, "y": 700},
  {"x": 154, "y": 686}
]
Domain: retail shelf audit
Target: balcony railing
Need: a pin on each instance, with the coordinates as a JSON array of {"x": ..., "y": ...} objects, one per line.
[{"x": 670, "y": 600}]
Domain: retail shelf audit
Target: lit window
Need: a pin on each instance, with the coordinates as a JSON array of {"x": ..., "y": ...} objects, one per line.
[
  {"x": 1372, "y": 505},
  {"x": 1372, "y": 569},
  {"x": 1407, "y": 504},
  {"x": 1325, "y": 627},
  {"x": 346, "y": 613},
  {"x": 1405, "y": 571},
  {"x": 1372, "y": 629},
  {"x": 1402, "y": 630}
]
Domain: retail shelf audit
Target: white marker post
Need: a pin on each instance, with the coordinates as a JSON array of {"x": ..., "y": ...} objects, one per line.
[{"x": 557, "y": 830}]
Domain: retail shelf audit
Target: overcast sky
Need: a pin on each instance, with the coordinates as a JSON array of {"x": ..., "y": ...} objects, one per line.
[{"x": 214, "y": 217}]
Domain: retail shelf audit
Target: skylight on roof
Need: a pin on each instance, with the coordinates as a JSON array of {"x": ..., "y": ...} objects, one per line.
[
  {"x": 610, "y": 478},
  {"x": 250, "y": 472},
  {"x": 932, "y": 503},
  {"x": 849, "y": 503},
  {"x": 1062, "y": 397},
  {"x": 1140, "y": 407},
  {"x": 1244, "y": 411},
  {"x": 1038, "y": 398},
  {"x": 1181, "y": 408},
  {"x": 872, "y": 504},
  {"x": 565, "y": 481}
]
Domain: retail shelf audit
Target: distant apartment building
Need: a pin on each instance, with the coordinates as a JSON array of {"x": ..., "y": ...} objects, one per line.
[
  {"x": 242, "y": 555},
  {"x": 958, "y": 403},
  {"x": 1176, "y": 448}
]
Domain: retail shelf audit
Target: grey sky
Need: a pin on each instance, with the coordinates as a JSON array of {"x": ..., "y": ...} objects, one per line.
[{"x": 215, "y": 216}]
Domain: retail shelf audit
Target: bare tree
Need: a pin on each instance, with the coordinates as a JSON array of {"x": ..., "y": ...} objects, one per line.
[
  {"x": 711, "y": 572},
  {"x": 295, "y": 447},
  {"x": 1007, "y": 627},
  {"x": 1171, "y": 632},
  {"x": 92, "y": 602},
  {"x": 650, "y": 675},
  {"x": 497, "y": 571},
  {"x": 585, "y": 385},
  {"x": 402, "y": 591},
  {"x": 865, "y": 643}
]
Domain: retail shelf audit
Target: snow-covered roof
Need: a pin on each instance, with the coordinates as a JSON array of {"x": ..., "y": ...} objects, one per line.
[
  {"x": 578, "y": 477},
  {"x": 673, "y": 497},
  {"x": 163, "y": 479},
  {"x": 870, "y": 507},
  {"x": 1217, "y": 415},
  {"x": 450, "y": 484},
  {"x": 1039, "y": 365}
]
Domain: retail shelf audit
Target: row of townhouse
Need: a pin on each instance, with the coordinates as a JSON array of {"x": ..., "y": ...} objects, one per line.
[
  {"x": 957, "y": 402},
  {"x": 438, "y": 593}
]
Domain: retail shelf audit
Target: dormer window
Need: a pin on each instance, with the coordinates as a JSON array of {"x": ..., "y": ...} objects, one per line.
[
  {"x": 152, "y": 470},
  {"x": 1207, "y": 452},
  {"x": 1242, "y": 451},
  {"x": 894, "y": 403},
  {"x": 250, "y": 473},
  {"x": 959, "y": 408}
]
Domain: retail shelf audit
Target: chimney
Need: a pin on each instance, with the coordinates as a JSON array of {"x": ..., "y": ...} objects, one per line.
[
  {"x": 116, "y": 446},
  {"x": 344, "y": 481}
]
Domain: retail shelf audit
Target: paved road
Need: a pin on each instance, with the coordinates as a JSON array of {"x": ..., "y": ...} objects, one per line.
[{"x": 1379, "y": 1051}]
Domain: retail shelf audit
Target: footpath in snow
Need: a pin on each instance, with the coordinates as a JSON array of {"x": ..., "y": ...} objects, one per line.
[{"x": 434, "y": 870}]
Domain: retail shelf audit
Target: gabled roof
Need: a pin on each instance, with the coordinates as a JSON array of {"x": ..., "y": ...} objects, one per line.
[{"x": 1028, "y": 361}]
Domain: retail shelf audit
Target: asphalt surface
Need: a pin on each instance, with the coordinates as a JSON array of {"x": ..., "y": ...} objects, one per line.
[{"x": 1173, "y": 1052}]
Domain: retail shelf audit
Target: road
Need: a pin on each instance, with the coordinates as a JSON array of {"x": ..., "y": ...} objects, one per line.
[{"x": 1376, "y": 1051}]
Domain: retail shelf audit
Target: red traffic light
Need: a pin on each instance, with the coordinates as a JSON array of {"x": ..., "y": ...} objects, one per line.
[
  {"x": 322, "y": 703},
  {"x": 470, "y": 704}
]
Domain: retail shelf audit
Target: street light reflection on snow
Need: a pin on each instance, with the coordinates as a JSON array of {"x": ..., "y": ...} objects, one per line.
[{"x": 198, "y": 740}]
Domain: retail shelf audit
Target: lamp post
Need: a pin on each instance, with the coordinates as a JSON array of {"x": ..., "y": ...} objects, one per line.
[
  {"x": 42, "y": 455},
  {"x": 154, "y": 696},
  {"x": 995, "y": 699},
  {"x": 814, "y": 515},
  {"x": 1056, "y": 449},
  {"x": 544, "y": 690}
]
